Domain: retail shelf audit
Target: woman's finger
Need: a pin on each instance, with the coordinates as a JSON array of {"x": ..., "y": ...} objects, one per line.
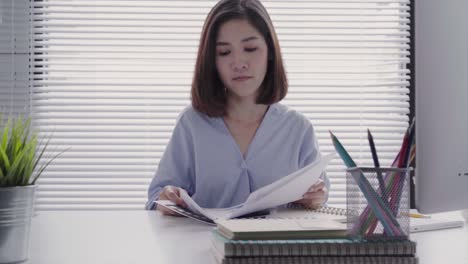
[
  {"x": 315, "y": 205},
  {"x": 303, "y": 202},
  {"x": 166, "y": 211},
  {"x": 310, "y": 204},
  {"x": 319, "y": 200},
  {"x": 314, "y": 195},
  {"x": 173, "y": 194},
  {"x": 317, "y": 186}
]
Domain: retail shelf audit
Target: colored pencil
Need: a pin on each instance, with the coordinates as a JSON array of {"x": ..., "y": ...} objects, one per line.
[{"x": 375, "y": 158}]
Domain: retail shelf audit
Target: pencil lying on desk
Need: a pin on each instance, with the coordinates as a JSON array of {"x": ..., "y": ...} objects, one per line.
[{"x": 415, "y": 215}]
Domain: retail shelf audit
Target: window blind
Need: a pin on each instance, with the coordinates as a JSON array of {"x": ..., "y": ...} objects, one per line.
[
  {"x": 14, "y": 58},
  {"x": 111, "y": 77}
]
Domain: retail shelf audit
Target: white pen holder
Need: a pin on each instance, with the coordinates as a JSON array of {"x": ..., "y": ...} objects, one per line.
[{"x": 378, "y": 202}]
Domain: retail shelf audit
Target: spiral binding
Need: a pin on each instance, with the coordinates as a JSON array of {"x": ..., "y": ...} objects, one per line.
[{"x": 324, "y": 209}]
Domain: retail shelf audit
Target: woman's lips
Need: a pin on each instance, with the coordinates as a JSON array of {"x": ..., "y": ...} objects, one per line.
[{"x": 241, "y": 78}]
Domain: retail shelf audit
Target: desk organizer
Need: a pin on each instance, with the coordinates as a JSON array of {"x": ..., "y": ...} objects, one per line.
[{"x": 378, "y": 203}]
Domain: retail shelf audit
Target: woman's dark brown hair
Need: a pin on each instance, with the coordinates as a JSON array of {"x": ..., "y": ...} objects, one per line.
[{"x": 208, "y": 94}]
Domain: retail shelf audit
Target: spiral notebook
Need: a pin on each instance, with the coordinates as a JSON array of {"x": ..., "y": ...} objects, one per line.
[
  {"x": 277, "y": 228},
  {"x": 311, "y": 247},
  {"x": 315, "y": 259},
  {"x": 292, "y": 222},
  {"x": 296, "y": 211},
  {"x": 319, "y": 260}
]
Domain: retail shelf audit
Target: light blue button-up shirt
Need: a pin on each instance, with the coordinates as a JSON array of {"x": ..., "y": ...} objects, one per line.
[{"x": 203, "y": 158}]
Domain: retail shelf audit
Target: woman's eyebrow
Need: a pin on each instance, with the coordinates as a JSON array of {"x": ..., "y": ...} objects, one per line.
[{"x": 222, "y": 43}]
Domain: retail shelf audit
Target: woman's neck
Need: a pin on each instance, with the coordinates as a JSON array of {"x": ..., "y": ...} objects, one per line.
[{"x": 245, "y": 111}]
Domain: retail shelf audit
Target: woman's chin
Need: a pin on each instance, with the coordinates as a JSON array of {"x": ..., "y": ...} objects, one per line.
[
  {"x": 243, "y": 90},
  {"x": 242, "y": 94}
]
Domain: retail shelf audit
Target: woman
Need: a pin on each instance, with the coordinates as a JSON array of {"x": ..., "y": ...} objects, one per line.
[{"x": 236, "y": 137}]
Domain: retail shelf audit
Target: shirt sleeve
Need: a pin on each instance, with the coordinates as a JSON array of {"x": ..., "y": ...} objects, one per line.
[
  {"x": 176, "y": 165},
  {"x": 309, "y": 152}
]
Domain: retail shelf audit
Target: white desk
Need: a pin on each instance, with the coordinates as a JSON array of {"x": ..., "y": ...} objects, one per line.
[{"x": 148, "y": 237}]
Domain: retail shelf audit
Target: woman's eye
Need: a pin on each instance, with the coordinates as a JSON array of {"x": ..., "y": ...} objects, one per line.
[
  {"x": 250, "y": 49},
  {"x": 223, "y": 53}
]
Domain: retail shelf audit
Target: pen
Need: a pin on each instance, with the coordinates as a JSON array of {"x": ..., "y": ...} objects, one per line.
[
  {"x": 377, "y": 165},
  {"x": 415, "y": 215}
]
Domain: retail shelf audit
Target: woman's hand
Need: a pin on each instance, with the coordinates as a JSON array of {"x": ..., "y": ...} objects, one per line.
[
  {"x": 170, "y": 193},
  {"x": 315, "y": 196}
]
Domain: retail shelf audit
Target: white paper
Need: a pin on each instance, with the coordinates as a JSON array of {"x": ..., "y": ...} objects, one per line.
[{"x": 285, "y": 190}]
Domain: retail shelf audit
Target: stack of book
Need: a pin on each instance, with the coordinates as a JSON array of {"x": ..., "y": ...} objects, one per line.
[{"x": 252, "y": 241}]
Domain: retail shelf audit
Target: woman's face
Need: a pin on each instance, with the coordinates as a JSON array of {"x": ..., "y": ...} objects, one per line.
[{"x": 241, "y": 58}]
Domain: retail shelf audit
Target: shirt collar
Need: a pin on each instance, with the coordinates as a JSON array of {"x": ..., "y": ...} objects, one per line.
[{"x": 275, "y": 110}]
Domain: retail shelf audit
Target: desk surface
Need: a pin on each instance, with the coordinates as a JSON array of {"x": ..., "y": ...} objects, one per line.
[{"x": 148, "y": 237}]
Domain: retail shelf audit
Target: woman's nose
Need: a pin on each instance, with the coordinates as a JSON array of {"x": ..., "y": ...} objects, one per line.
[{"x": 239, "y": 64}]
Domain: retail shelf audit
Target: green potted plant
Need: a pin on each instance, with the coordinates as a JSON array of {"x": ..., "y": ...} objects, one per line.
[{"x": 21, "y": 164}]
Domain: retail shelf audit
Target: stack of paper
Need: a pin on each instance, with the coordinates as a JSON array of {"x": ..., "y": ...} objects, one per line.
[{"x": 285, "y": 190}]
